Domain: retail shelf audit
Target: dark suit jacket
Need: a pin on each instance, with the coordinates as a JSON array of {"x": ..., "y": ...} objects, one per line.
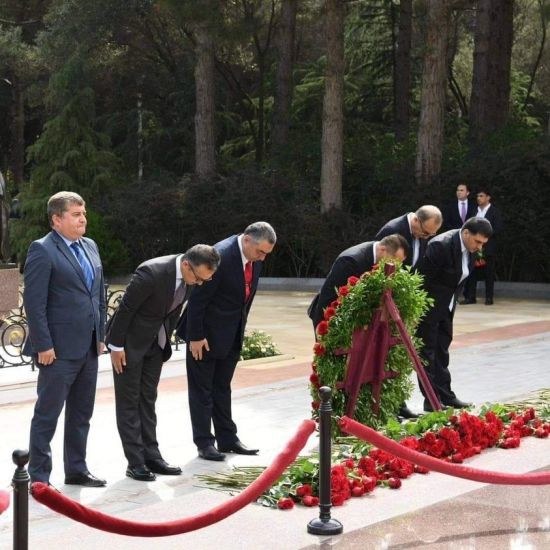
[
  {"x": 145, "y": 307},
  {"x": 401, "y": 227},
  {"x": 493, "y": 216},
  {"x": 61, "y": 312},
  {"x": 451, "y": 214},
  {"x": 352, "y": 262},
  {"x": 442, "y": 270},
  {"x": 216, "y": 310}
]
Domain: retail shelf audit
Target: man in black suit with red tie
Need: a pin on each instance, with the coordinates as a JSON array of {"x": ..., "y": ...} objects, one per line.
[
  {"x": 448, "y": 261},
  {"x": 138, "y": 337},
  {"x": 456, "y": 212},
  {"x": 485, "y": 209},
  {"x": 416, "y": 227},
  {"x": 213, "y": 327}
]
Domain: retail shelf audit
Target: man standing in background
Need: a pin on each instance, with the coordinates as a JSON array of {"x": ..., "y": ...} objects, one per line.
[
  {"x": 456, "y": 212},
  {"x": 64, "y": 300},
  {"x": 213, "y": 327},
  {"x": 487, "y": 259}
]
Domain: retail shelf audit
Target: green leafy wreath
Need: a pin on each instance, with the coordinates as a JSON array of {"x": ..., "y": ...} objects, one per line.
[{"x": 354, "y": 308}]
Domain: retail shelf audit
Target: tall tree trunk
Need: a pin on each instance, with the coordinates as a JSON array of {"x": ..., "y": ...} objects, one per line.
[
  {"x": 490, "y": 98},
  {"x": 402, "y": 71},
  {"x": 332, "y": 142},
  {"x": 434, "y": 81},
  {"x": 205, "y": 135},
  {"x": 283, "y": 88},
  {"x": 17, "y": 147}
]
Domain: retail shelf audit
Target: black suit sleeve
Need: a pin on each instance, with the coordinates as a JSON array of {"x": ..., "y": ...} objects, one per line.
[{"x": 140, "y": 288}]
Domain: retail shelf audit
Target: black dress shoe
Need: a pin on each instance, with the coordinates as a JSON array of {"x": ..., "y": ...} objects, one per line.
[
  {"x": 468, "y": 301},
  {"x": 239, "y": 449},
  {"x": 160, "y": 466},
  {"x": 211, "y": 453},
  {"x": 405, "y": 412},
  {"x": 140, "y": 472},
  {"x": 456, "y": 403},
  {"x": 86, "y": 479},
  {"x": 489, "y": 302}
]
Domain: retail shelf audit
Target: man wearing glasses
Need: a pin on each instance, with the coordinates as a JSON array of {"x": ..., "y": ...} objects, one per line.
[
  {"x": 138, "y": 336},
  {"x": 416, "y": 227},
  {"x": 213, "y": 326}
]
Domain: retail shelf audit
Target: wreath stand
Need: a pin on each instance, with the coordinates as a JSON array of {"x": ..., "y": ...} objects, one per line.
[{"x": 369, "y": 350}]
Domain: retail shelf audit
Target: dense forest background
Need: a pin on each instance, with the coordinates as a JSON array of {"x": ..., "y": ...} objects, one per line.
[{"x": 181, "y": 121}]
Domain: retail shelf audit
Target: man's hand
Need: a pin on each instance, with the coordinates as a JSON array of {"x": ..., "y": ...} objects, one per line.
[
  {"x": 100, "y": 348},
  {"x": 196, "y": 347},
  {"x": 118, "y": 360},
  {"x": 47, "y": 357}
]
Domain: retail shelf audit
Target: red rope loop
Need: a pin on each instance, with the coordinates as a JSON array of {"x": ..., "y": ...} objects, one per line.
[
  {"x": 93, "y": 518},
  {"x": 474, "y": 474}
]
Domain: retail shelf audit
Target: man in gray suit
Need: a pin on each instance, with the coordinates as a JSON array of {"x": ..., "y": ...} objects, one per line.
[
  {"x": 138, "y": 336},
  {"x": 64, "y": 301}
]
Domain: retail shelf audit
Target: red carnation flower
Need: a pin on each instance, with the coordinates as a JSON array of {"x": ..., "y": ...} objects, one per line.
[
  {"x": 394, "y": 483},
  {"x": 303, "y": 490},
  {"x": 352, "y": 281},
  {"x": 329, "y": 313},
  {"x": 322, "y": 328},
  {"x": 334, "y": 304},
  {"x": 421, "y": 469},
  {"x": 310, "y": 500},
  {"x": 315, "y": 405},
  {"x": 319, "y": 349},
  {"x": 343, "y": 291},
  {"x": 285, "y": 503},
  {"x": 314, "y": 379},
  {"x": 357, "y": 492},
  {"x": 541, "y": 432}
]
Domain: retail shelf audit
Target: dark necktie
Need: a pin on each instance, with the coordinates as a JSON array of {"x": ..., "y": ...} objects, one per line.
[
  {"x": 84, "y": 264},
  {"x": 247, "y": 280},
  {"x": 179, "y": 295}
]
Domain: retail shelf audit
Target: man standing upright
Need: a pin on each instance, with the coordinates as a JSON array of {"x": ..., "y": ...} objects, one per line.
[
  {"x": 448, "y": 261},
  {"x": 416, "y": 227},
  {"x": 139, "y": 336},
  {"x": 64, "y": 300},
  {"x": 213, "y": 327},
  {"x": 485, "y": 209},
  {"x": 456, "y": 212},
  {"x": 354, "y": 261}
]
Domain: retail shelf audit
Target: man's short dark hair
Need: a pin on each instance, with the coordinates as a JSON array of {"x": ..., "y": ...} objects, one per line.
[
  {"x": 394, "y": 242},
  {"x": 203, "y": 254},
  {"x": 484, "y": 189},
  {"x": 60, "y": 202},
  {"x": 478, "y": 226},
  {"x": 261, "y": 231},
  {"x": 465, "y": 185}
]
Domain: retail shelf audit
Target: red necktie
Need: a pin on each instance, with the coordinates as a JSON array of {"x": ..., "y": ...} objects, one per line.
[{"x": 247, "y": 280}]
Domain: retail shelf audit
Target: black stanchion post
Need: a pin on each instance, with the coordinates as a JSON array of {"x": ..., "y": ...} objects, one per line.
[
  {"x": 324, "y": 524},
  {"x": 20, "y": 484}
]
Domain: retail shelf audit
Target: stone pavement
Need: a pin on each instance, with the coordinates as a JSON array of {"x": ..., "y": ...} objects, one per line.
[{"x": 499, "y": 353}]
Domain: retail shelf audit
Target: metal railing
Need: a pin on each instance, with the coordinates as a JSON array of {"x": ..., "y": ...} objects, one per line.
[{"x": 14, "y": 329}]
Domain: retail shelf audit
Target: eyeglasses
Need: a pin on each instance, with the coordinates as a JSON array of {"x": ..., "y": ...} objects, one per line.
[
  {"x": 197, "y": 277},
  {"x": 424, "y": 232}
]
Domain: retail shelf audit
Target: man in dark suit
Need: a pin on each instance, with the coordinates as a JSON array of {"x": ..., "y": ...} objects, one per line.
[
  {"x": 416, "y": 227},
  {"x": 139, "y": 339},
  {"x": 354, "y": 262},
  {"x": 485, "y": 209},
  {"x": 456, "y": 212},
  {"x": 64, "y": 300},
  {"x": 213, "y": 327},
  {"x": 448, "y": 261}
]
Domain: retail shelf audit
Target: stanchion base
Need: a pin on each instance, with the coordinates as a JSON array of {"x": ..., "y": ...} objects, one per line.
[{"x": 329, "y": 526}]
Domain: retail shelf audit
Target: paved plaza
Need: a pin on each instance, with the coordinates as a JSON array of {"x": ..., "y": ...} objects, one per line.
[{"x": 500, "y": 353}]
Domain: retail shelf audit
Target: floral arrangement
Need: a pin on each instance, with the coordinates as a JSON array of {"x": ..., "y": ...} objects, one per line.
[
  {"x": 479, "y": 259},
  {"x": 358, "y": 468},
  {"x": 258, "y": 344},
  {"x": 354, "y": 307}
]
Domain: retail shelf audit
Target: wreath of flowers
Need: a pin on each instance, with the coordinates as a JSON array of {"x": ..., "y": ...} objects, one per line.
[{"x": 354, "y": 308}]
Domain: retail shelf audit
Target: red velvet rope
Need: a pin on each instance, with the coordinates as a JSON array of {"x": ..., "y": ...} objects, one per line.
[
  {"x": 4, "y": 501},
  {"x": 484, "y": 476},
  {"x": 76, "y": 511}
]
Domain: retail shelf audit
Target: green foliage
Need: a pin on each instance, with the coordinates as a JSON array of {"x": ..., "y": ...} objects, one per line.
[{"x": 258, "y": 344}]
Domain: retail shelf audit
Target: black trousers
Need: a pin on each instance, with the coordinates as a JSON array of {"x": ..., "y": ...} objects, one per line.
[
  {"x": 69, "y": 382},
  {"x": 136, "y": 395},
  {"x": 437, "y": 335},
  {"x": 209, "y": 390},
  {"x": 470, "y": 288}
]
